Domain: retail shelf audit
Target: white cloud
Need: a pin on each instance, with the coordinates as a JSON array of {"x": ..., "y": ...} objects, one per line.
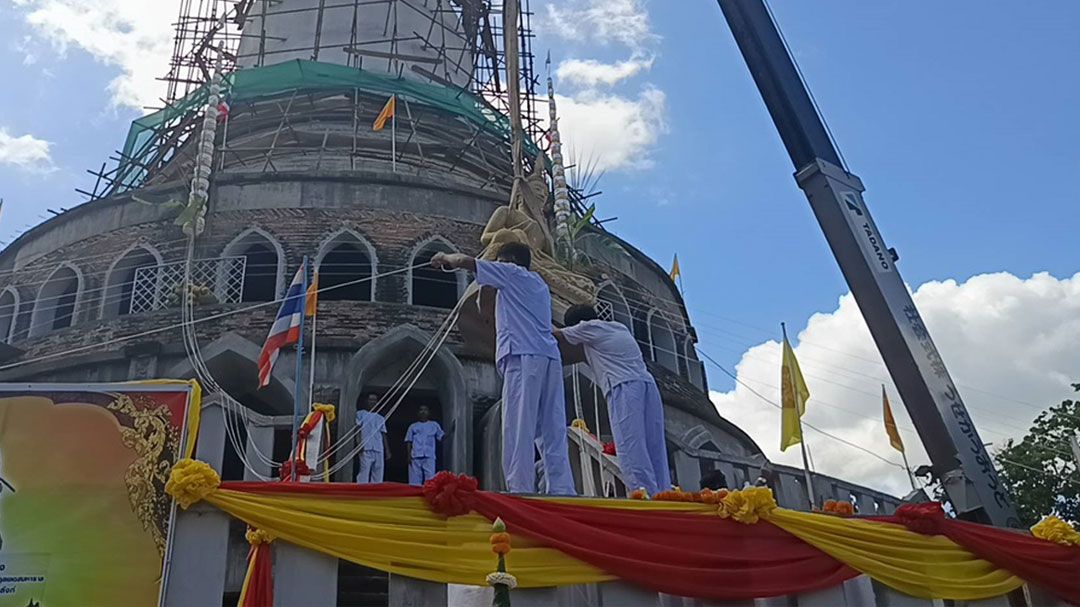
[
  {"x": 25, "y": 152},
  {"x": 1011, "y": 344},
  {"x": 604, "y": 129},
  {"x": 611, "y": 131},
  {"x": 134, "y": 35},
  {"x": 592, "y": 73},
  {"x": 605, "y": 21}
]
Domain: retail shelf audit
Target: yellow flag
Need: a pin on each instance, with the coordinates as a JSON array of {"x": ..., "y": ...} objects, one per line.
[
  {"x": 386, "y": 114},
  {"x": 312, "y": 300},
  {"x": 793, "y": 397},
  {"x": 675, "y": 270},
  {"x": 890, "y": 424}
]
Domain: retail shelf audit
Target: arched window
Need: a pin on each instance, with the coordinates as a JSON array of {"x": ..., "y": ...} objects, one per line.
[
  {"x": 56, "y": 300},
  {"x": 347, "y": 260},
  {"x": 264, "y": 265},
  {"x": 120, "y": 286},
  {"x": 662, "y": 342},
  {"x": 695, "y": 371},
  {"x": 9, "y": 311},
  {"x": 431, "y": 287},
  {"x": 612, "y": 305}
]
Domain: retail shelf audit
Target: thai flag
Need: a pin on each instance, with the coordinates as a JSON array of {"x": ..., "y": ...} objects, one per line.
[{"x": 286, "y": 329}]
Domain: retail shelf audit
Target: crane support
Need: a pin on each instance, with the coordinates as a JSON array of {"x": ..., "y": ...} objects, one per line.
[{"x": 959, "y": 458}]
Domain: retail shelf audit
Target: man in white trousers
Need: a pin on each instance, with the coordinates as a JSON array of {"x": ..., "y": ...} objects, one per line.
[
  {"x": 527, "y": 356},
  {"x": 634, "y": 405},
  {"x": 375, "y": 448}
]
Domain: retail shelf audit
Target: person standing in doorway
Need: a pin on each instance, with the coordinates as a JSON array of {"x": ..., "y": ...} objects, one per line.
[
  {"x": 634, "y": 405},
  {"x": 420, "y": 441},
  {"x": 374, "y": 447},
  {"x": 527, "y": 356}
]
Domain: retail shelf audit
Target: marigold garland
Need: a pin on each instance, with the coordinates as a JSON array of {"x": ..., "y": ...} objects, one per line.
[
  {"x": 705, "y": 496},
  {"x": 839, "y": 508},
  {"x": 1053, "y": 529},
  {"x": 748, "y": 506},
  {"x": 639, "y": 494},
  {"x": 190, "y": 481}
]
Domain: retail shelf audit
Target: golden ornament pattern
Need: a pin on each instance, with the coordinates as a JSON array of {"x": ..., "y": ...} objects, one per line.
[{"x": 146, "y": 429}]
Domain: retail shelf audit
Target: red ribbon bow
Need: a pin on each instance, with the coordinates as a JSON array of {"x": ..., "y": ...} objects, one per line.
[
  {"x": 926, "y": 519},
  {"x": 451, "y": 494}
]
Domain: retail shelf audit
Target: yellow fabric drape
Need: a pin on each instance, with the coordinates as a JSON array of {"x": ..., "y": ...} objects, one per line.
[
  {"x": 402, "y": 536},
  {"x": 930, "y": 567}
]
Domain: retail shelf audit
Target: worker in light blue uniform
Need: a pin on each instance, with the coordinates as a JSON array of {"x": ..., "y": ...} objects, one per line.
[
  {"x": 634, "y": 406},
  {"x": 527, "y": 357},
  {"x": 374, "y": 446},
  {"x": 420, "y": 440}
]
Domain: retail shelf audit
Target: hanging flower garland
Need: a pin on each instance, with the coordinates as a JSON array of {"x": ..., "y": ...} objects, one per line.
[{"x": 499, "y": 579}]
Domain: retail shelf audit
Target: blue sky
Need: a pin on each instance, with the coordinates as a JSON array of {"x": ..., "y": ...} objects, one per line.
[{"x": 960, "y": 117}]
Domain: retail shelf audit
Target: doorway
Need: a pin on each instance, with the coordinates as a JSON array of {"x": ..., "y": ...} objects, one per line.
[{"x": 397, "y": 469}]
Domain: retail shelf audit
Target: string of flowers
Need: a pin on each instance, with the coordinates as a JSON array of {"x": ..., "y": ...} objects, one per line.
[
  {"x": 839, "y": 508},
  {"x": 499, "y": 579}
]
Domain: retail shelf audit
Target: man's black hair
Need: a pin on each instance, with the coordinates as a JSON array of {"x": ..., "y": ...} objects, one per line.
[
  {"x": 579, "y": 313},
  {"x": 517, "y": 252},
  {"x": 714, "y": 480}
]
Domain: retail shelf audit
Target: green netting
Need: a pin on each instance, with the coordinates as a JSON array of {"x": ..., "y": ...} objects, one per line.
[{"x": 277, "y": 79}]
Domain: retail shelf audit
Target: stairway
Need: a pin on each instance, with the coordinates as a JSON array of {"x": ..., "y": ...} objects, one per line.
[{"x": 359, "y": 586}]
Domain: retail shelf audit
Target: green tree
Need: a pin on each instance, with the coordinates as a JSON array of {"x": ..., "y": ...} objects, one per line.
[{"x": 1039, "y": 471}]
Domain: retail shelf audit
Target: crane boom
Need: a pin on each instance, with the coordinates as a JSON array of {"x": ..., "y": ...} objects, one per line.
[{"x": 957, "y": 453}]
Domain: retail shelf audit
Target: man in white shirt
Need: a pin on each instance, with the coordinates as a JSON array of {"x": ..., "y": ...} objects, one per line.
[
  {"x": 527, "y": 356},
  {"x": 375, "y": 448},
  {"x": 634, "y": 405}
]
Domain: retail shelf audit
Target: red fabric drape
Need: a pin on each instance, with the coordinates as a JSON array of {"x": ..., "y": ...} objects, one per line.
[
  {"x": 677, "y": 553},
  {"x": 260, "y": 589},
  {"x": 1051, "y": 566}
]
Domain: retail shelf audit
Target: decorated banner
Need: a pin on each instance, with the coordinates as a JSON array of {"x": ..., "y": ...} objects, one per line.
[{"x": 84, "y": 518}]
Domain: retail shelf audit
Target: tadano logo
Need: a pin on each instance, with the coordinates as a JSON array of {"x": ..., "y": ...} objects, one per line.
[
  {"x": 852, "y": 203},
  {"x": 878, "y": 256}
]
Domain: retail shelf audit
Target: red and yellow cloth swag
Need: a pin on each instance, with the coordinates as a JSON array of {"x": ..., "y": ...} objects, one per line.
[{"x": 727, "y": 546}]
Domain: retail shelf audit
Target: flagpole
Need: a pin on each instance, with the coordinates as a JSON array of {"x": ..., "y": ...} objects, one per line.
[
  {"x": 299, "y": 396},
  {"x": 393, "y": 136},
  {"x": 911, "y": 477},
  {"x": 314, "y": 324},
  {"x": 802, "y": 435}
]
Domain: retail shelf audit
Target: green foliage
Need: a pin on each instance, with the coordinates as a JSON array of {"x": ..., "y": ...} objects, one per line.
[
  {"x": 577, "y": 224},
  {"x": 1039, "y": 471}
]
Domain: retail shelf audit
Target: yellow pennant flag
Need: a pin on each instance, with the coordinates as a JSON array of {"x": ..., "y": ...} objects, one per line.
[
  {"x": 890, "y": 424},
  {"x": 675, "y": 270},
  {"x": 386, "y": 114},
  {"x": 311, "y": 302},
  {"x": 793, "y": 397}
]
